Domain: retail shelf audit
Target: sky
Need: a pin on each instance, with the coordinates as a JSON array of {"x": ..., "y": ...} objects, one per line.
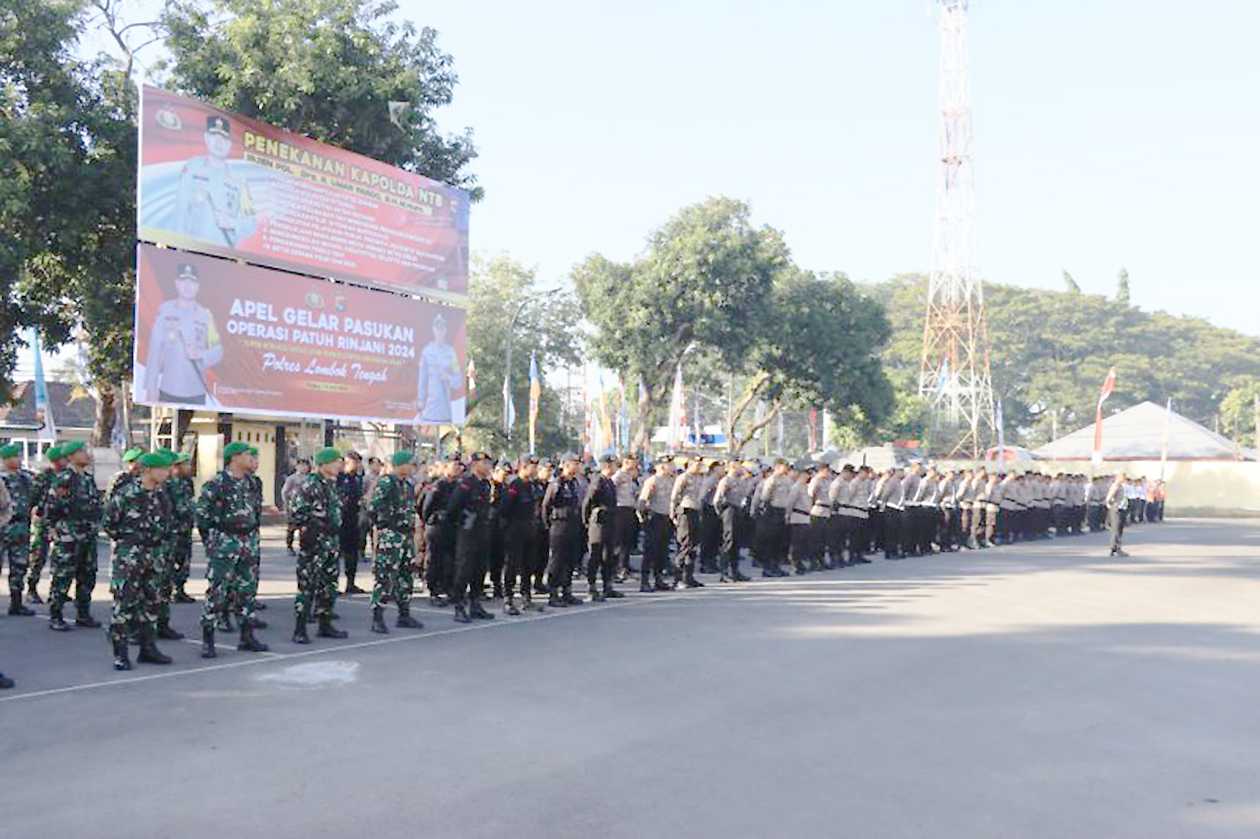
[{"x": 1108, "y": 133}]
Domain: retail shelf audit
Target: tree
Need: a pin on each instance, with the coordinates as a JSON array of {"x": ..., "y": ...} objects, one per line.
[
  {"x": 1238, "y": 413},
  {"x": 499, "y": 289},
  {"x": 328, "y": 69},
  {"x": 1069, "y": 283},
  {"x": 817, "y": 345},
  {"x": 1122, "y": 288},
  {"x": 704, "y": 281}
]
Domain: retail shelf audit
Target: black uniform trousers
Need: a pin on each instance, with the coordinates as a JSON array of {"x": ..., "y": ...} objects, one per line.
[
  {"x": 730, "y": 518},
  {"x": 566, "y": 546},
  {"x": 710, "y": 538},
  {"x": 471, "y": 542},
  {"x": 655, "y": 547},
  {"x": 519, "y": 549},
  {"x": 603, "y": 560},
  {"x": 892, "y": 532},
  {"x": 689, "y": 537},
  {"x": 625, "y": 532},
  {"x": 497, "y": 551},
  {"x": 440, "y": 575}
]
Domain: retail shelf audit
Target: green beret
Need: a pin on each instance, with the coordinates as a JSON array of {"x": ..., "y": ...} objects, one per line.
[
  {"x": 11, "y": 450},
  {"x": 168, "y": 454},
  {"x": 70, "y": 448},
  {"x": 132, "y": 454},
  {"x": 53, "y": 453},
  {"x": 326, "y": 456},
  {"x": 231, "y": 450},
  {"x": 402, "y": 458},
  {"x": 154, "y": 460},
  {"x": 253, "y": 450},
  {"x": 182, "y": 457}
]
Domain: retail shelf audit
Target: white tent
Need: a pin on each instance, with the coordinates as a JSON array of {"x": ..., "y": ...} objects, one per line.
[{"x": 1138, "y": 433}]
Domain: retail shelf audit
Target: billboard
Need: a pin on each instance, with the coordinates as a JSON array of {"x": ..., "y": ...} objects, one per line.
[
  {"x": 213, "y": 334},
  {"x": 216, "y": 182}
]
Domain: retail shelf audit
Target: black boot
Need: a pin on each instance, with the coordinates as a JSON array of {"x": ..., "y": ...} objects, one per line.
[
  {"x": 405, "y": 620},
  {"x": 299, "y": 631},
  {"x": 16, "y": 607},
  {"x": 378, "y": 620},
  {"x": 461, "y": 614},
  {"x": 84, "y": 618},
  {"x": 149, "y": 653},
  {"x": 207, "y": 642},
  {"x": 570, "y": 600},
  {"x": 56, "y": 622},
  {"x": 597, "y": 596},
  {"x": 182, "y": 596},
  {"x": 248, "y": 642},
  {"x": 327, "y": 630},
  {"x": 554, "y": 600},
  {"x": 32, "y": 594},
  {"x": 165, "y": 632},
  {"x": 121, "y": 660},
  {"x": 611, "y": 593},
  {"x": 475, "y": 610}
]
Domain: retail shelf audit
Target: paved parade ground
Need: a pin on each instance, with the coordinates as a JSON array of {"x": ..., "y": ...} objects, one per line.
[{"x": 1038, "y": 690}]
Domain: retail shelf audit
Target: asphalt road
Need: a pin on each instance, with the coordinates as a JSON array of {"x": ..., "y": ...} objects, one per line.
[{"x": 1032, "y": 691}]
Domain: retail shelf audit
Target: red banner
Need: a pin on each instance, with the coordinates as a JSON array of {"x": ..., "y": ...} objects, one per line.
[
  {"x": 217, "y": 335},
  {"x": 216, "y": 182}
]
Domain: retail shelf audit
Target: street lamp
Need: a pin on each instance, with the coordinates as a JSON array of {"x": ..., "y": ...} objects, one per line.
[{"x": 507, "y": 365}]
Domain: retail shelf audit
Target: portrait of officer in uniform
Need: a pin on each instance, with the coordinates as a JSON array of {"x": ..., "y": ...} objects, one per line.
[
  {"x": 213, "y": 204},
  {"x": 183, "y": 344},
  {"x": 439, "y": 377}
]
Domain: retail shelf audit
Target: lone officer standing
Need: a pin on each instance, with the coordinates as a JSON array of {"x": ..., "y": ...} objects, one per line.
[
  {"x": 1117, "y": 504},
  {"x": 597, "y": 511},
  {"x": 74, "y": 516},
  {"x": 468, "y": 511},
  {"x": 226, "y": 516},
  {"x": 135, "y": 518},
  {"x": 317, "y": 512},
  {"x": 213, "y": 205},
  {"x": 15, "y": 536},
  {"x": 391, "y": 510}
]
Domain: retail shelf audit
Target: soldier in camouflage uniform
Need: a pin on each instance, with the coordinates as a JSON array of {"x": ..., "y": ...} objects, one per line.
[
  {"x": 391, "y": 509},
  {"x": 137, "y": 519},
  {"x": 73, "y": 508},
  {"x": 129, "y": 473},
  {"x": 226, "y": 516},
  {"x": 39, "y": 528},
  {"x": 164, "y": 553},
  {"x": 316, "y": 510},
  {"x": 15, "y": 537},
  {"x": 179, "y": 486}
]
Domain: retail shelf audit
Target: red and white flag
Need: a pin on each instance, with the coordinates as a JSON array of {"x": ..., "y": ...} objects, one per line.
[{"x": 1109, "y": 385}]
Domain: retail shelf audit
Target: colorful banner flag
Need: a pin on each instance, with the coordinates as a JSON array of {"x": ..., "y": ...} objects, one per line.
[
  {"x": 1109, "y": 385},
  {"x": 535, "y": 396},
  {"x": 43, "y": 408}
]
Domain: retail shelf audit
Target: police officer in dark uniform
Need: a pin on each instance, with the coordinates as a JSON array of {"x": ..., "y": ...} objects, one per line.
[
  {"x": 597, "y": 511},
  {"x": 468, "y": 512},
  {"x": 519, "y": 515},
  {"x": 496, "y": 546},
  {"x": 439, "y": 536},
  {"x": 560, "y": 509},
  {"x": 541, "y": 558},
  {"x": 350, "y": 490}
]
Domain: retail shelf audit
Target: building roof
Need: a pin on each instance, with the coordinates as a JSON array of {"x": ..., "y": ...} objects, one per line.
[
  {"x": 1137, "y": 433},
  {"x": 72, "y": 407}
]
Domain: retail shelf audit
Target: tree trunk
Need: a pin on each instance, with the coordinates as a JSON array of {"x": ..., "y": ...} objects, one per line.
[
  {"x": 106, "y": 410},
  {"x": 733, "y": 442},
  {"x": 738, "y": 443}
]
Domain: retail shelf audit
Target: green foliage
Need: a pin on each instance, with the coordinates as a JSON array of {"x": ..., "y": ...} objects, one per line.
[
  {"x": 327, "y": 69},
  {"x": 1051, "y": 350},
  {"x": 705, "y": 280},
  {"x": 1238, "y": 412},
  {"x": 545, "y": 326}
]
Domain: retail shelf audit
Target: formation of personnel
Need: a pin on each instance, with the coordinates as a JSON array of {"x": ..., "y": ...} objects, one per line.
[{"x": 510, "y": 531}]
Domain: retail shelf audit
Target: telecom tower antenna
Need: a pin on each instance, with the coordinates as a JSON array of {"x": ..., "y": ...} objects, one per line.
[{"x": 954, "y": 373}]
